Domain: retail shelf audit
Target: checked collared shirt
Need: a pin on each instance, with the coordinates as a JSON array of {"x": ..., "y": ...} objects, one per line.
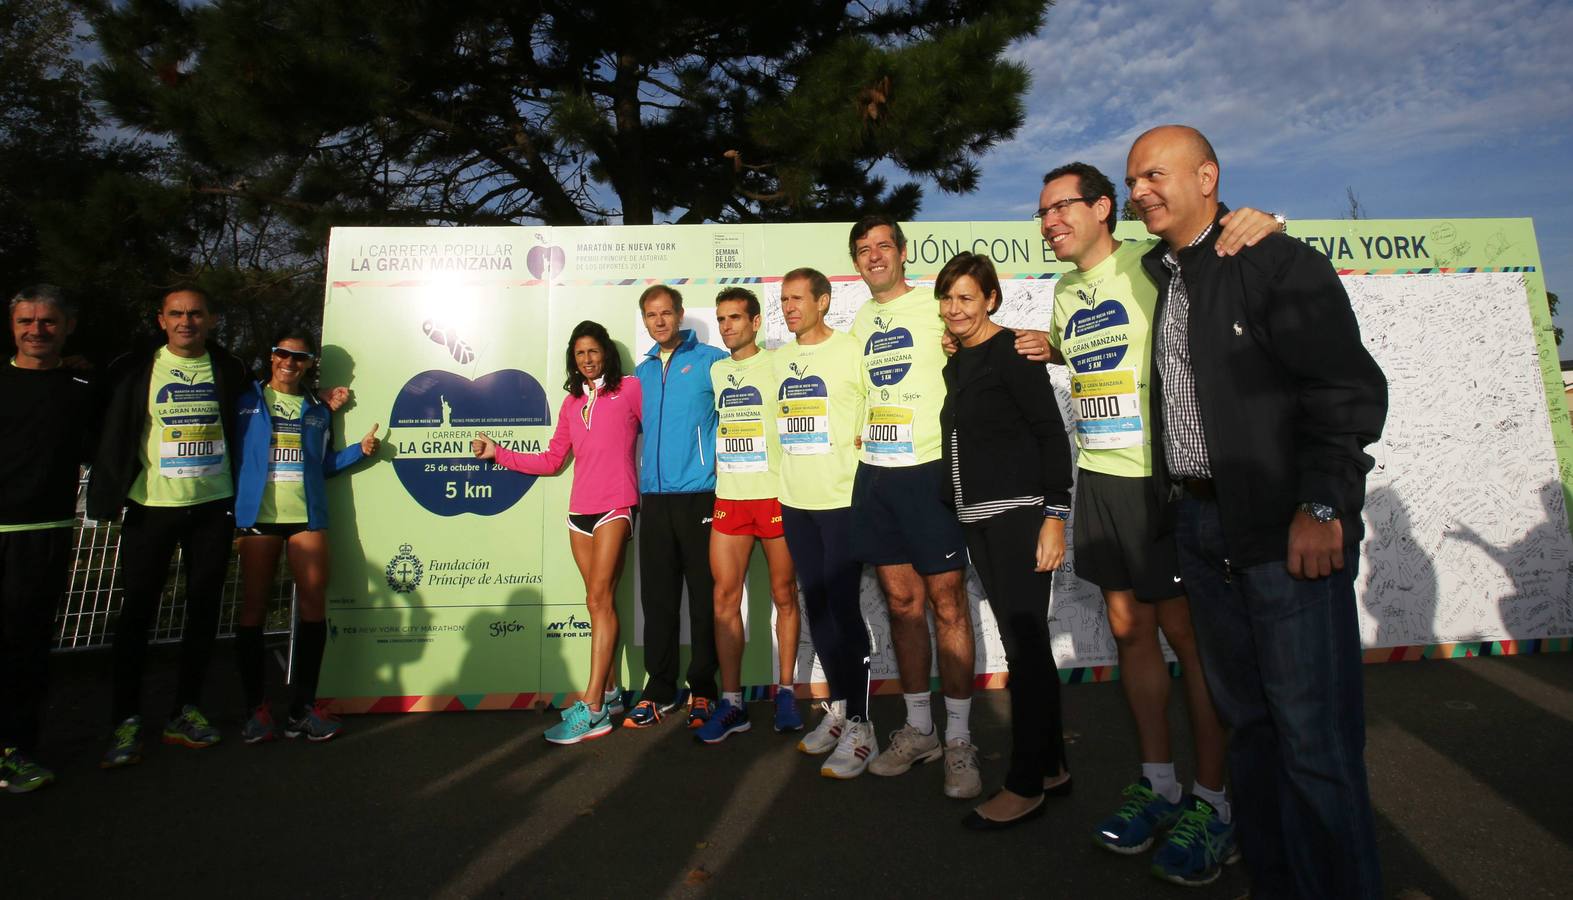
[{"x": 1184, "y": 443}]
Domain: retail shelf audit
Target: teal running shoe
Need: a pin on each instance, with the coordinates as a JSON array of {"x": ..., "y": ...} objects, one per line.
[
  {"x": 19, "y": 774},
  {"x": 787, "y": 716},
  {"x": 125, "y": 748},
  {"x": 316, "y": 724},
  {"x": 190, "y": 729},
  {"x": 725, "y": 720},
  {"x": 580, "y": 724},
  {"x": 612, "y": 702},
  {"x": 1133, "y": 827},
  {"x": 1198, "y": 848}
]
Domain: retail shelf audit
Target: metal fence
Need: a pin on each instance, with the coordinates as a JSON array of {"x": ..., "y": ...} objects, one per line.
[{"x": 89, "y": 610}]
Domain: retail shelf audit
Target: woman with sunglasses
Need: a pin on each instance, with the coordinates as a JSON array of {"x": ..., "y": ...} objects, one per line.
[
  {"x": 1010, "y": 470},
  {"x": 599, "y": 421},
  {"x": 280, "y": 503}
]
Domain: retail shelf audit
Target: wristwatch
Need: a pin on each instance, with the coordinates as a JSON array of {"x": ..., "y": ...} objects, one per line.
[
  {"x": 1321, "y": 512},
  {"x": 1282, "y": 220},
  {"x": 1056, "y": 512}
]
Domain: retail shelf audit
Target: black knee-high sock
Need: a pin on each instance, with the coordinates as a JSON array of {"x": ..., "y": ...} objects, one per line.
[
  {"x": 310, "y": 638},
  {"x": 252, "y": 661}
]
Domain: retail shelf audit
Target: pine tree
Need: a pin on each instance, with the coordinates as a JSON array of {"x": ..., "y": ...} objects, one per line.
[{"x": 501, "y": 111}]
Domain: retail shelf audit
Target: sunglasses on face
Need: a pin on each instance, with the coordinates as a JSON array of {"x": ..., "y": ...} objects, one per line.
[{"x": 299, "y": 356}]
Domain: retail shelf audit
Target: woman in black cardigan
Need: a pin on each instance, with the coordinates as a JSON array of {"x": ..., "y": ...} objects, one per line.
[{"x": 1010, "y": 470}]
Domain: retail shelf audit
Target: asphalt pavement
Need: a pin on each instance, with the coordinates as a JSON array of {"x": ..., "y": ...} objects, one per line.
[{"x": 1468, "y": 762}]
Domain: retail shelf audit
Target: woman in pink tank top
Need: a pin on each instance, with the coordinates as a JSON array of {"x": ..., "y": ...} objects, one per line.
[{"x": 599, "y": 422}]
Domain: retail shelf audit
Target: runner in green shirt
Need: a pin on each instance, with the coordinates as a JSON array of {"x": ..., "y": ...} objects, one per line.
[
  {"x": 819, "y": 398},
  {"x": 1102, "y": 327},
  {"x": 747, "y": 456},
  {"x": 901, "y": 523}
]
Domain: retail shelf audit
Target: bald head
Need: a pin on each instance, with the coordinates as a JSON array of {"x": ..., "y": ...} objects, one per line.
[
  {"x": 1172, "y": 174},
  {"x": 1185, "y": 139}
]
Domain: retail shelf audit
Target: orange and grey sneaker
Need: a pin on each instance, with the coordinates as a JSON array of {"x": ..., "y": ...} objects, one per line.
[
  {"x": 644, "y": 714},
  {"x": 699, "y": 710}
]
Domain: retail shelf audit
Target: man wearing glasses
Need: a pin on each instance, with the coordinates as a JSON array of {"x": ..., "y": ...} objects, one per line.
[
  {"x": 1101, "y": 331},
  {"x": 165, "y": 458}
]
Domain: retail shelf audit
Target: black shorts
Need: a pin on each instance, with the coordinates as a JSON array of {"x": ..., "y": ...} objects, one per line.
[
  {"x": 899, "y": 515},
  {"x": 1116, "y": 546},
  {"x": 285, "y": 530},
  {"x": 587, "y": 523}
]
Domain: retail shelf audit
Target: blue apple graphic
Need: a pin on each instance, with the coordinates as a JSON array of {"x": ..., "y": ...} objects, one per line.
[{"x": 438, "y": 471}]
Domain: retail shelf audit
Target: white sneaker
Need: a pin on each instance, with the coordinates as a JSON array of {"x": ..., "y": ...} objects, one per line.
[
  {"x": 908, "y": 746},
  {"x": 824, "y": 738},
  {"x": 854, "y": 751},
  {"x": 962, "y": 779}
]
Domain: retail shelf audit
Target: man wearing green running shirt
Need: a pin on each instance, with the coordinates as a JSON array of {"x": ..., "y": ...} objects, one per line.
[
  {"x": 164, "y": 458},
  {"x": 901, "y": 524},
  {"x": 1102, "y": 328},
  {"x": 819, "y": 407},
  {"x": 747, "y": 509}
]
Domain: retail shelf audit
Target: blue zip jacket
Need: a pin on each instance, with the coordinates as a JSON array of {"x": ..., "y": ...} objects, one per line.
[
  {"x": 679, "y": 418},
  {"x": 255, "y": 425}
]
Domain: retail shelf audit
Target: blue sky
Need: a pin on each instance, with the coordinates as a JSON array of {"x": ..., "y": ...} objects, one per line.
[{"x": 1426, "y": 109}]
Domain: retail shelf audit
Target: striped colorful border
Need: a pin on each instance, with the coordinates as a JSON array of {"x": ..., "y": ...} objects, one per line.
[
  {"x": 989, "y": 681},
  {"x": 1438, "y": 270}
]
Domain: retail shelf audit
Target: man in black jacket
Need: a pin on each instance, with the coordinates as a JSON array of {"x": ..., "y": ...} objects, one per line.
[
  {"x": 47, "y": 422},
  {"x": 1265, "y": 401},
  {"x": 164, "y": 458}
]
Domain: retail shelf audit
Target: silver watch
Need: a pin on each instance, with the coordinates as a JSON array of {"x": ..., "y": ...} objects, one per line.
[
  {"x": 1321, "y": 512},
  {"x": 1282, "y": 220}
]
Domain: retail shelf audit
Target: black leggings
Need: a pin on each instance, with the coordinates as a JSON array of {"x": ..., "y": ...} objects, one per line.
[
  {"x": 1004, "y": 550},
  {"x": 33, "y": 572},
  {"x": 206, "y": 535},
  {"x": 820, "y": 541}
]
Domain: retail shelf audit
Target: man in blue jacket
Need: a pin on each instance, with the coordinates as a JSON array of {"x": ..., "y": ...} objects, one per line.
[{"x": 677, "y": 493}]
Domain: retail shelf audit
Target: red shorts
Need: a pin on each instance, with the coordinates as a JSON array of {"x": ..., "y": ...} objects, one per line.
[{"x": 749, "y": 518}]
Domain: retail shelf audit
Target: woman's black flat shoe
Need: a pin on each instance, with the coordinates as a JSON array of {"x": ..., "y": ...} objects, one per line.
[
  {"x": 974, "y": 822},
  {"x": 1063, "y": 789}
]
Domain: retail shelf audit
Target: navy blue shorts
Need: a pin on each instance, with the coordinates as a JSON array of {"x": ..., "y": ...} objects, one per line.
[{"x": 899, "y": 516}]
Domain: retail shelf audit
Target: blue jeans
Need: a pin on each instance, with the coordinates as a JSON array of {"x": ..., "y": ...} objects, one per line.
[{"x": 1282, "y": 659}]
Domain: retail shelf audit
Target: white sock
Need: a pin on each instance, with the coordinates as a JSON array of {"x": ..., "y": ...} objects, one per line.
[
  {"x": 958, "y": 714},
  {"x": 838, "y": 708},
  {"x": 1219, "y": 801},
  {"x": 784, "y": 687},
  {"x": 918, "y": 714},
  {"x": 1164, "y": 784},
  {"x": 733, "y": 697}
]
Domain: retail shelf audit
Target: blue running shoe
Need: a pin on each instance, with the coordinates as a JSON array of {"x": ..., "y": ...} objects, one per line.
[
  {"x": 787, "y": 717},
  {"x": 699, "y": 711},
  {"x": 315, "y": 724},
  {"x": 1132, "y": 828},
  {"x": 580, "y": 724},
  {"x": 725, "y": 720},
  {"x": 644, "y": 714},
  {"x": 1197, "y": 849},
  {"x": 125, "y": 748},
  {"x": 259, "y": 727}
]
